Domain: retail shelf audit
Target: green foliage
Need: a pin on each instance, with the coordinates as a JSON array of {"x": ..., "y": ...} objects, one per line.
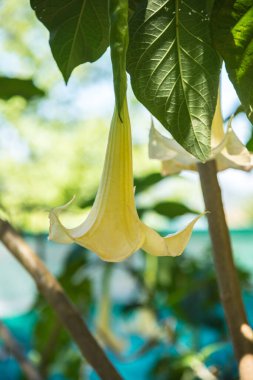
[
  {"x": 79, "y": 30},
  {"x": 173, "y": 65},
  {"x": 249, "y": 144},
  {"x": 172, "y": 209},
  {"x": 52, "y": 342},
  {"x": 144, "y": 182},
  {"x": 186, "y": 281},
  {"x": 169, "y": 209},
  {"x": 118, "y": 10},
  {"x": 188, "y": 365},
  {"x": 174, "y": 69},
  {"x": 25, "y": 88},
  {"x": 64, "y": 157},
  {"x": 232, "y": 29},
  {"x": 187, "y": 287},
  {"x": 31, "y": 186}
]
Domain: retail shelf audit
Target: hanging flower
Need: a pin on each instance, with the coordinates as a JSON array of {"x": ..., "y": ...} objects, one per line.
[
  {"x": 227, "y": 149},
  {"x": 113, "y": 229}
]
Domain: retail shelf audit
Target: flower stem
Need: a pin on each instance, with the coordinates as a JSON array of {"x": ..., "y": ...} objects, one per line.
[
  {"x": 228, "y": 283},
  {"x": 56, "y": 297}
]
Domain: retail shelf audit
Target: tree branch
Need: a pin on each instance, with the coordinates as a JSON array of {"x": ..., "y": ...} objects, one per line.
[
  {"x": 228, "y": 283},
  {"x": 56, "y": 297}
]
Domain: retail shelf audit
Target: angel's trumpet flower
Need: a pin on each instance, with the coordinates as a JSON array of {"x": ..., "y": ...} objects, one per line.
[
  {"x": 227, "y": 149},
  {"x": 113, "y": 229}
]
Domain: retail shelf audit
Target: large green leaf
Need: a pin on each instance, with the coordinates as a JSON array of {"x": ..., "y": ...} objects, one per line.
[
  {"x": 79, "y": 30},
  {"x": 174, "y": 69},
  {"x": 10, "y": 87},
  {"x": 232, "y": 27}
]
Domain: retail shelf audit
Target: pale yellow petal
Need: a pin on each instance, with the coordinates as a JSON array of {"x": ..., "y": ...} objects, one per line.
[
  {"x": 158, "y": 147},
  {"x": 111, "y": 229},
  {"x": 227, "y": 149},
  {"x": 170, "y": 167},
  {"x": 217, "y": 131},
  {"x": 234, "y": 154},
  {"x": 171, "y": 245},
  {"x": 57, "y": 232},
  {"x": 164, "y": 148}
]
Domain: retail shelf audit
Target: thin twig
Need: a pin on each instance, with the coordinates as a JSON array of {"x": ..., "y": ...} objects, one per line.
[
  {"x": 29, "y": 370},
  {"x": 228, "y": 282},
  {"x": 56, "y": 297}
]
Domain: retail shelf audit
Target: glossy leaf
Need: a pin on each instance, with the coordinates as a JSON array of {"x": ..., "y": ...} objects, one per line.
[
  {"x": 79, "y": 30},
  {"x": 25, "y": 88},
  {"x": 232, "y": 28},
  {"x": 174, "y": 69}
]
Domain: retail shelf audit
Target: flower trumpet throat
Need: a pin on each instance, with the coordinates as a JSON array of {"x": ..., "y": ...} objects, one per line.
[{"x": 113, "y": 229}]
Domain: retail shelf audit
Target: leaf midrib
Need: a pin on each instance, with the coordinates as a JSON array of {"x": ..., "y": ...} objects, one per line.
[{"x": 181, "y": 72}]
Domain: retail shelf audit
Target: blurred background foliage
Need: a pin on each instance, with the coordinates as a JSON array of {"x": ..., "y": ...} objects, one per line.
[{"x": 158, "y": 318}]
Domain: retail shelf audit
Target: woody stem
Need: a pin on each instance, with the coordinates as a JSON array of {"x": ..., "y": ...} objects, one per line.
[
  {"x": 59, "y": 301},
  {"x": 228, "y": 283}
]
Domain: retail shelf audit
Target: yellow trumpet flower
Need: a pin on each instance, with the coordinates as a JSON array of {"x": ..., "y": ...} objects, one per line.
[
  {"x": 113, "y": 229},
  {"x": 227, "y": 149}
]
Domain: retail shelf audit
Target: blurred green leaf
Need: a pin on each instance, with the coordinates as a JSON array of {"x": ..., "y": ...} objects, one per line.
[
  {"x": 172, "y": 209},
  {"x": 186, "y": 365},
  {"x": 25, "y": 88},
  {"x": 174, "y": 69},
  {"x": 142, "y": 183},
  {"x": 168, "y": 209},
  {"x": 249, "y": 144},
  {"x": 52, "y": 341},
  {"x": 79, "y": 30},
  {"x": 232, "y": 29}
]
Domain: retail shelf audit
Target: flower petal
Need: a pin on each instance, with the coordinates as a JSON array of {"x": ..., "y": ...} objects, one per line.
[
  {"x": 227, "y": 149},
  {"x": 170, "y": 167},
  {"x": 159, "y": 148},
  {"x": 111, "y": 229},
  {"x": 57, "y": 232},
  {"x": 217, "y": 131},
  {"x": 164, "y": 148},
  {"x": 234, "y": 154},
  {"x": 171, "y": 245}
]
